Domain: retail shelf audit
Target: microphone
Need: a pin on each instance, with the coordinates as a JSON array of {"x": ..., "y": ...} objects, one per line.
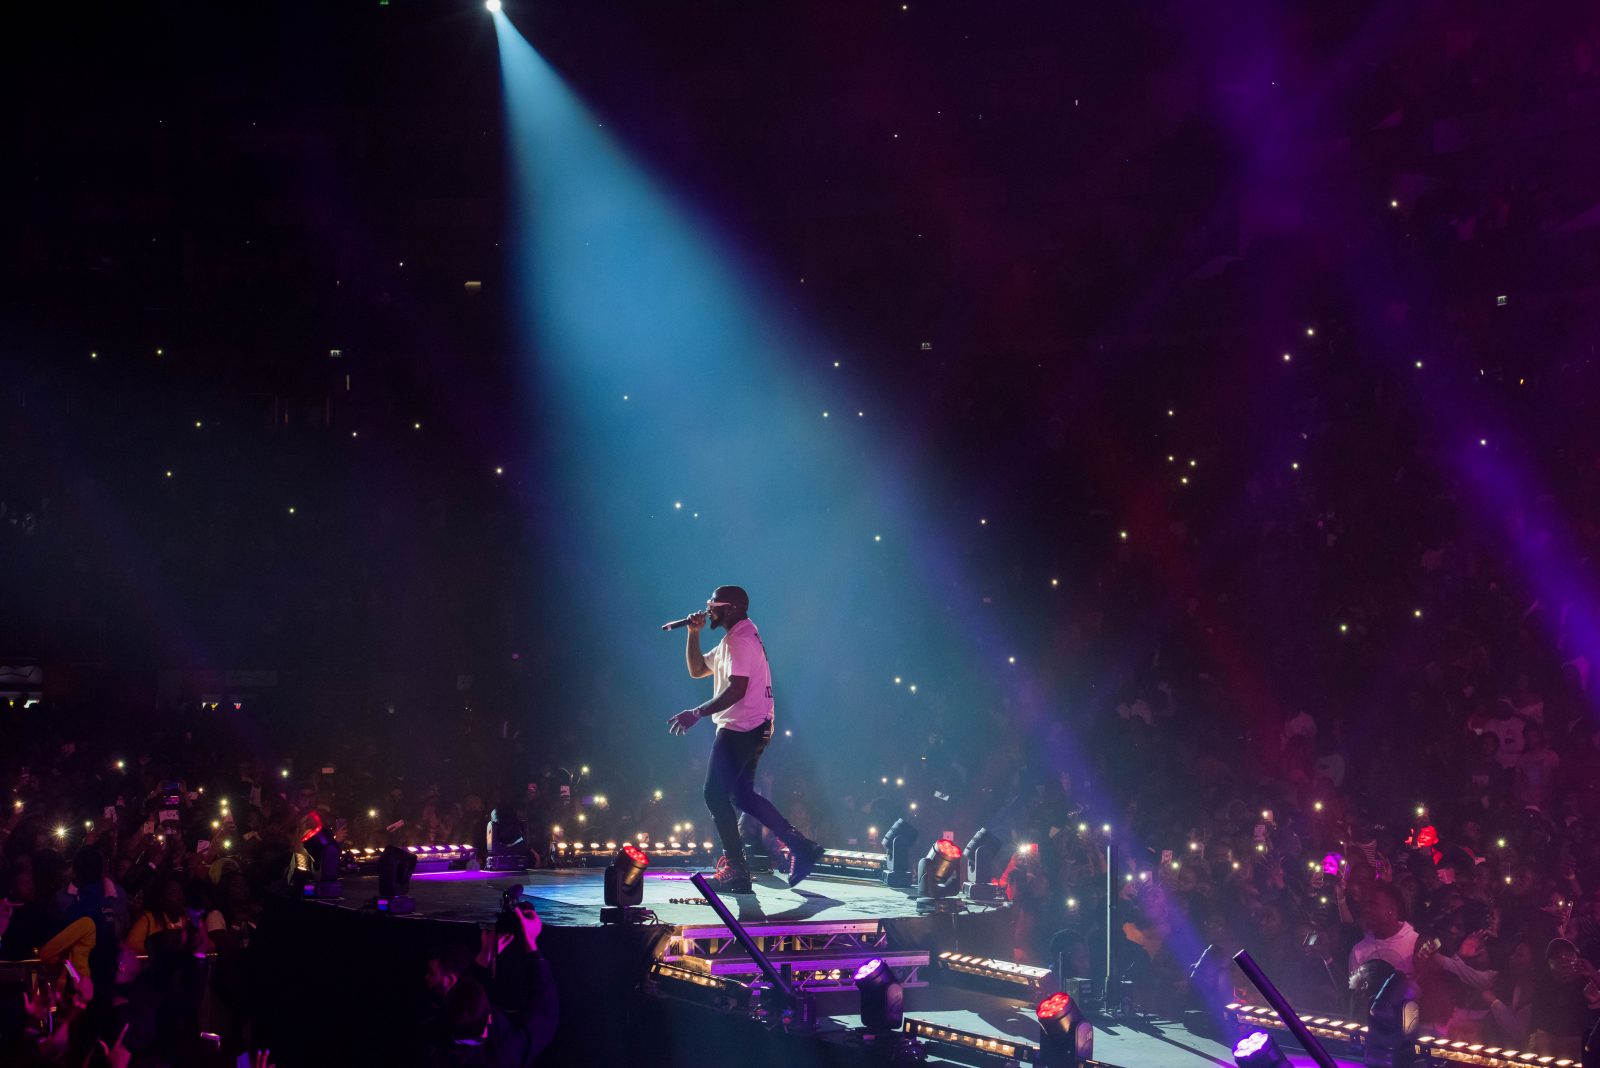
[{"x": 677, "y": 623}]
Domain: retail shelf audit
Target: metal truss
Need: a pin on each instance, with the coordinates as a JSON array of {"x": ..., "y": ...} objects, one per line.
[{"x": 820, "y": 957}]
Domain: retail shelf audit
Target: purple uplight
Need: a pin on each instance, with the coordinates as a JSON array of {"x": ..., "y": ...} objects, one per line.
[
  {"x": 459, "y": 876},
  {"x": 867, "y": 969}
]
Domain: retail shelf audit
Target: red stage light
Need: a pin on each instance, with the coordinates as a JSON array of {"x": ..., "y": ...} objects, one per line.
[
  {"x": 1055, "y": 1006},
  {"x": 624, "y": 881},
  {"x": 948, "y": 849}
]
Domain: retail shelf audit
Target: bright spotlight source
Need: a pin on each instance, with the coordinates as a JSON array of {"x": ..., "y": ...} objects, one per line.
[
  {"x": 1258, "y": 1050},
  {"x": 493, "y": 6}
]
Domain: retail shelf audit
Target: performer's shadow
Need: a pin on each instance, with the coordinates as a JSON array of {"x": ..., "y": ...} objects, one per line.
[
  {"x": 1011, "y": 1022},
  {"x": 750, "y": 909}
]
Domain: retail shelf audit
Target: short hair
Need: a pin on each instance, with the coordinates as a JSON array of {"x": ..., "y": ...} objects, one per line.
[
  {"x": 1392, "y": 892},
  {"x": 733, "y": 595},
  {"x": 1370, "y": 976},
  {"x": 89, "y": 866},
  {"x": 454, "y": 959},
  {"x": 466, "y": 1010}
]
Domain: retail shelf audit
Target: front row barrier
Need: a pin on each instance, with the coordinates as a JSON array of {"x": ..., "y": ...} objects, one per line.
[
  {"x": 1351, "y": 1040},
  {"x": 1391, "y": 1038}
]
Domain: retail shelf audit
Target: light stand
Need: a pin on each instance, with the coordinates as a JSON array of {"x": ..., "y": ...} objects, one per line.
[{"x": 799, "y": 1010}]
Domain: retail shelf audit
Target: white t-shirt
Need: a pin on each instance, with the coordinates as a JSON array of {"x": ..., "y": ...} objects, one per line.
[
  {"x": 740, "y": 652},
  {"x": 1399, "y": 949},
  {"x": 1508, "y": 729}
]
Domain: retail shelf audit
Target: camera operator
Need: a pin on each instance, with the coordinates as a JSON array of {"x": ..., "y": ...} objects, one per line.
[{"x": 502, "y": 1012}]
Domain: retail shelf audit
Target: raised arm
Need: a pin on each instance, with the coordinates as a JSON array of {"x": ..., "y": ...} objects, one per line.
[{"x": 698, "y": 668}]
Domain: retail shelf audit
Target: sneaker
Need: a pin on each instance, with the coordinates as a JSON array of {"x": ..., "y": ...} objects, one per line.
[
  {"x": 730, "y": 878},
  {"x": 802, "y": 859}
]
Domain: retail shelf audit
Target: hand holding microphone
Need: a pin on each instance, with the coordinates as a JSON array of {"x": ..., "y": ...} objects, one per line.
[{"x": 694, "y": 621}]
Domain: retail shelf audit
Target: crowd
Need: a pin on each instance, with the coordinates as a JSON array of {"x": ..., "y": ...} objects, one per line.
[
  {"x": 137, "y": 929},
  {"x": 1322, "y": 689},
  {"x": 1405, "y": 776},
  {"x": 1366, "y": 740}
]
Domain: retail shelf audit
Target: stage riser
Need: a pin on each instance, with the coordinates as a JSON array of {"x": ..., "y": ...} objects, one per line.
[{"x": 821, "y": 974}]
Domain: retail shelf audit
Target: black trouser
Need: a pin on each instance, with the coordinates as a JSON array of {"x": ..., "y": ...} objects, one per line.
[{"x": 731, "y": 783}]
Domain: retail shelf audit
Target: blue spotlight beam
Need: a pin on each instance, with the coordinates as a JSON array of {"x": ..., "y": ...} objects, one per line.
[
  {"x": 690, "y": 448},
  {"x": 671, "y": 379}
]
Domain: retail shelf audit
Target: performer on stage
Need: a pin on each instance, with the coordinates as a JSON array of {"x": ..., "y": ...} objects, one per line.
[{"x": 742, "y": 710}]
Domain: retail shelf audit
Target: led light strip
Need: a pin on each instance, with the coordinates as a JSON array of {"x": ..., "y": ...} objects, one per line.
[
  {"x": 850, "y": 858},
  {"x": 1321, "y": 1026},
  {"x": 1489, "y": 1056},
  {"x": 1457, "y": 1051},
  {"x": 1024, "y": 1052},
  {"x": 663, "y": 970},
  {"x": 1004, "y": 970},
  {"x": 421, "y": 851}
]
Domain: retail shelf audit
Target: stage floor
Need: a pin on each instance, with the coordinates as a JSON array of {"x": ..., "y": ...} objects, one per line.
[
  {"x": 1137, "y": 1044},
  {"x": 572, "y": 897},
  {"x": 1141, "y": 1043}
]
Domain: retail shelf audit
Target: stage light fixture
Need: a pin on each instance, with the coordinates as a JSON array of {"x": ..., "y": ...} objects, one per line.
[
  {"x": 624, "y": 884},
  {"x": 899, "y": 841},
  {"x": 938, "y": 1035},
  {"x": 507, "y": 842},
  {"x": 1030, "y": 976},
  {"x": 983, "y": 867},
  {"x": 315, "y": 866},
  {"x": 883, "y": 999},
  {"x": 852, "y": 863},
  {"x": 1258, "y": 1050},
  {"x": 939, "y": 875},
  {"x": 1066, "y": 1038},
  {"x": 717, "y": 991},
  {"x": 1392, "y": 1026},
  {"x": 1485, "y": 1056},
  {"x": 395, "y": 868},
  {"x": 493, "y": 6},
  {"x": 1349, "y": 1037}
]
